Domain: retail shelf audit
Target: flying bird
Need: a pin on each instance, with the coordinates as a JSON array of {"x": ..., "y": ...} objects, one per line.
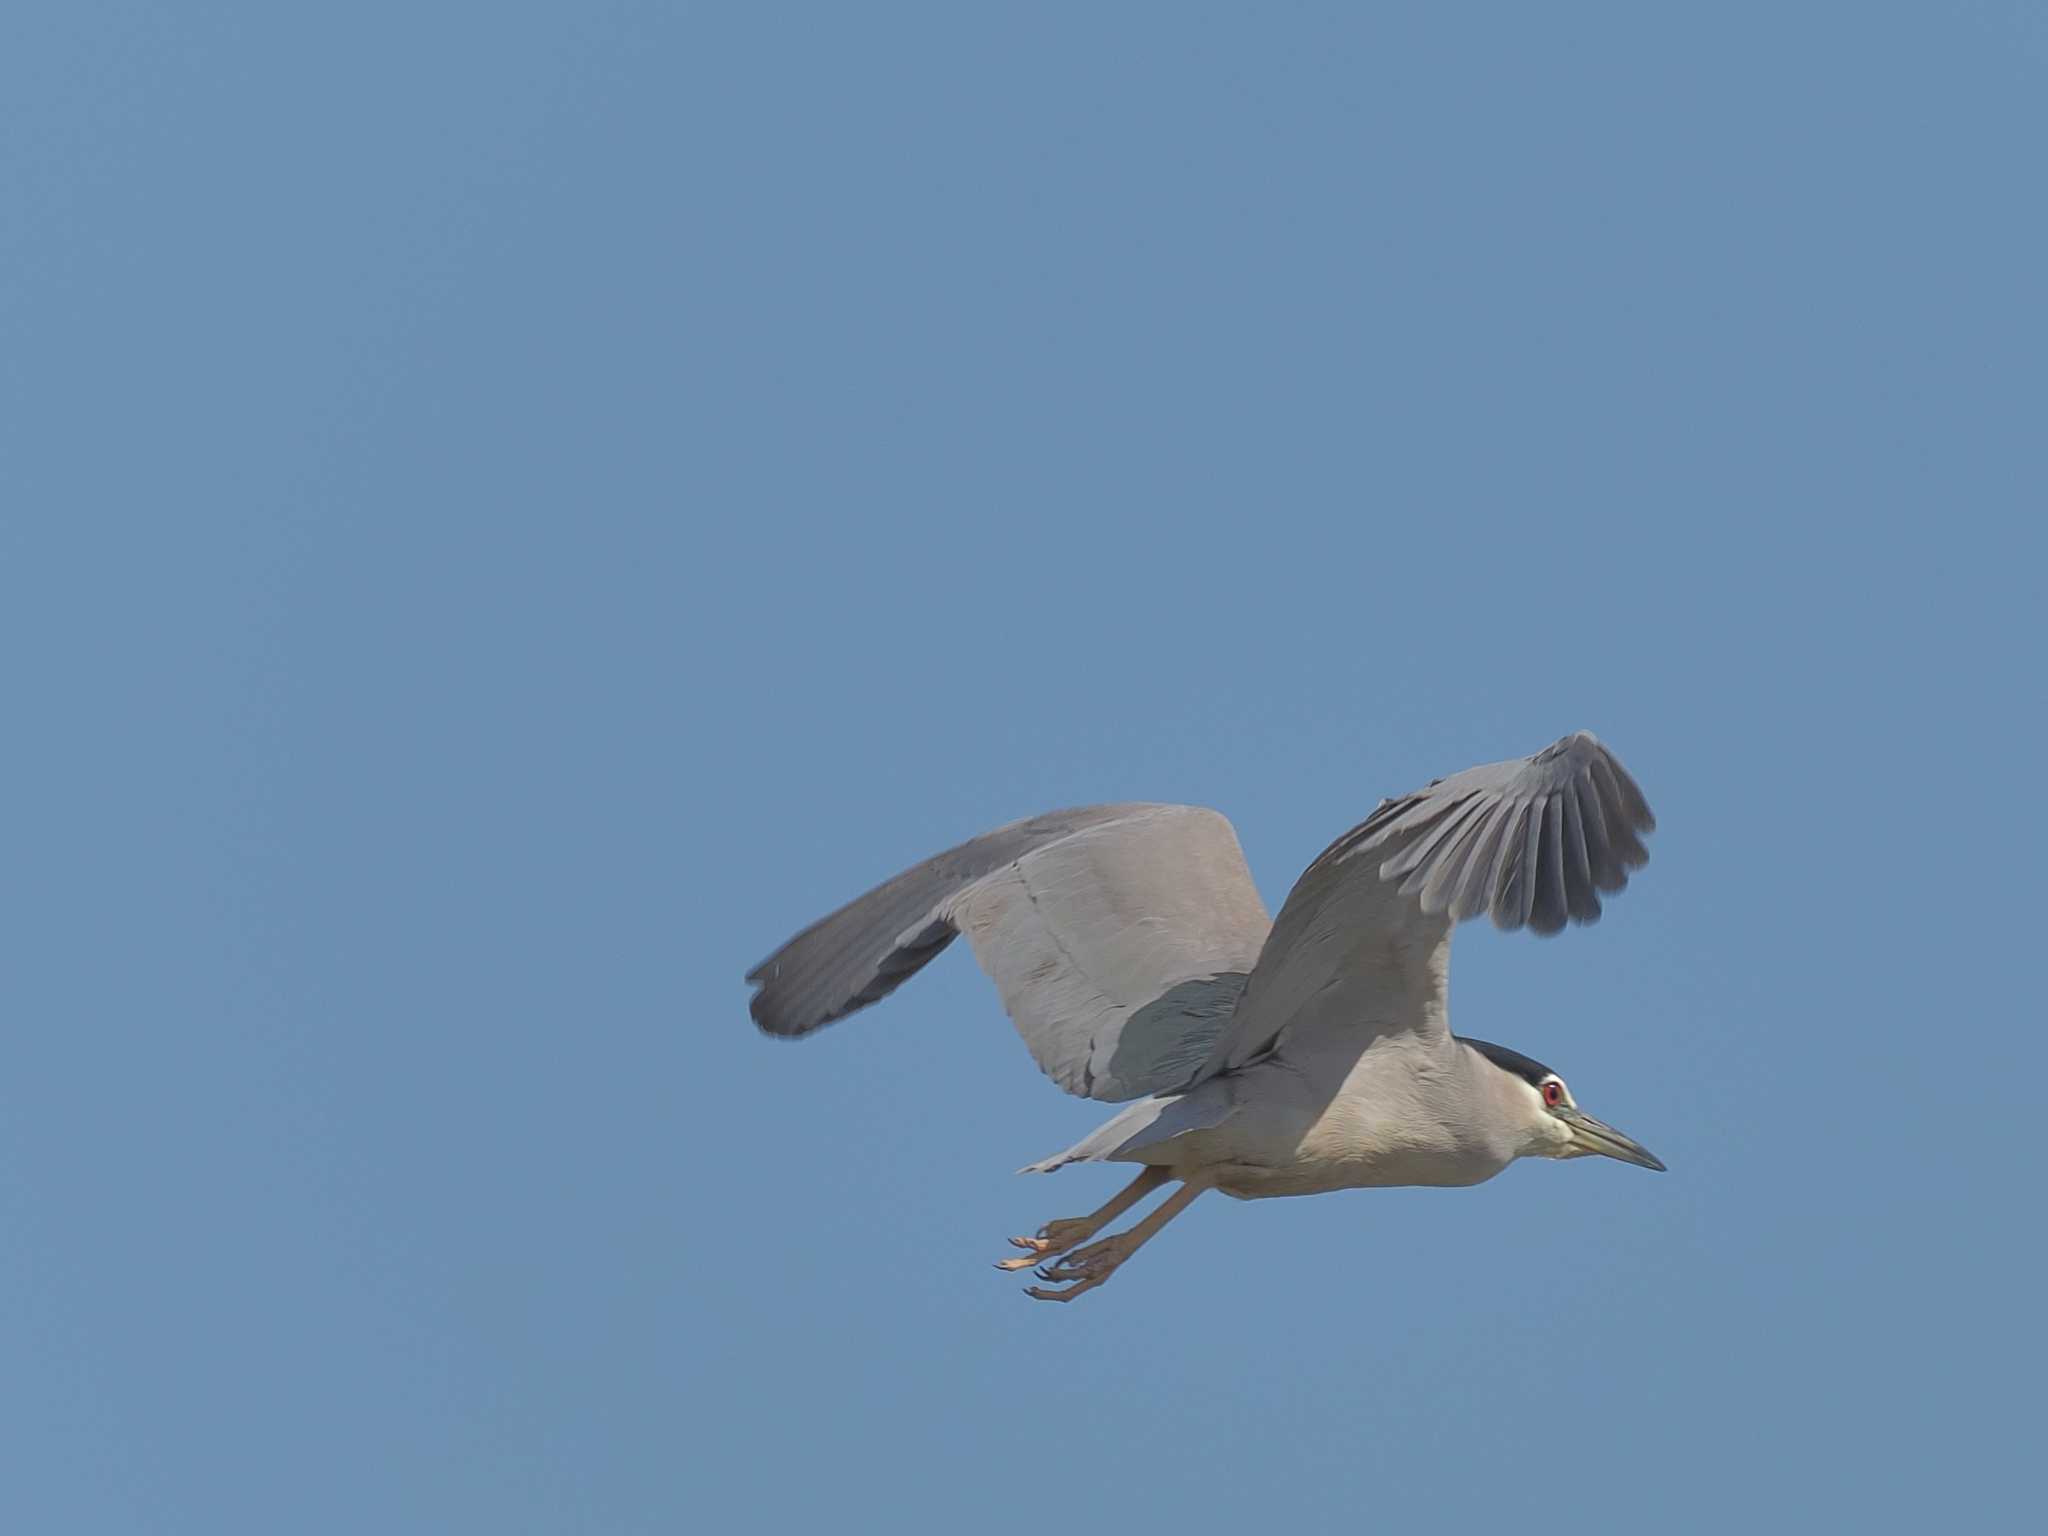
[{"x": 1263, "y": 1057}]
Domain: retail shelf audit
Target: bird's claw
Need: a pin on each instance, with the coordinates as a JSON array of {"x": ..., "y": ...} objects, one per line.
[
  {"x": 1079, "y": 1272},
  {"x": 1034, "y": 1249},
  {"x": 1059, "y": 1274},
  {"x": 1038, "y": 1293},
  {"x": 1053, "y": 1239}
]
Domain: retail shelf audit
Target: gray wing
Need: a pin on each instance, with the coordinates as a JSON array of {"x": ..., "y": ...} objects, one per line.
[
  {"x": 1362, "y": 945},
  {"x": 1119, "y": 936}
]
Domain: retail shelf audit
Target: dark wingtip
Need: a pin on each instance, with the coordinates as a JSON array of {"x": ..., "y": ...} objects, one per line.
[
  {"x": 775, "y": 1025},
  {"x": 762, "y": 1010}
]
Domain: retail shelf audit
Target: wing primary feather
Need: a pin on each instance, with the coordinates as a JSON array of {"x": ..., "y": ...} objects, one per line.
[
  {"x": 1423, "y": 845},
  {"x": 855, "y": 939},
  {"x": 1449, "y": 865},
  {"x": 1532, "y": 837},
  {"x": 1409, "y": 816},
  {"x": 1507, "y": 858},
  {"x": 1511, "y": 906},
  {"x": 1412, "y": 858},
  {"x": 1421, "y": 862},
  {"x": 1580, "y": 898},
  {"x": 1608, "y": 875},
  {"x": 1548, "y": 914},
  {"x": 1632, "y": 800},
  {"x": 1629, "y": 851},
  {"x": 1475, "y": 885}
]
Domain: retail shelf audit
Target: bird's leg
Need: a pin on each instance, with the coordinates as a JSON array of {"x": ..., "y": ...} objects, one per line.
[
  {"x": 1086, "y": 1268},
  {"x": 1056, "y": 1237}
]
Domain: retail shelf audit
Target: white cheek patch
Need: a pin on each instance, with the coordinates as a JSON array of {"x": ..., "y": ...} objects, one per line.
[{"x": 1548, "y": 1136}]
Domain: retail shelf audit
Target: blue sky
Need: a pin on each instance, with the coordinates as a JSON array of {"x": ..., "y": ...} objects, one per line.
[{"x": 514, "y": 509}]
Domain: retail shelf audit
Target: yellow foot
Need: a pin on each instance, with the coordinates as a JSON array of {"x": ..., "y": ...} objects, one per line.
[
  {"x": 1083, "y": 1270},
  {"x": 1054, "y": 1239}
]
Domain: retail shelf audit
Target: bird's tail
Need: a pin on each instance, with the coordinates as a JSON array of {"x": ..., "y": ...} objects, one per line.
[{"x": 1145, "y": 1124}]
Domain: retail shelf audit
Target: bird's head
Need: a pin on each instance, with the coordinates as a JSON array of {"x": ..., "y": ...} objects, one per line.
[{"x": 1549, "y": 1120}]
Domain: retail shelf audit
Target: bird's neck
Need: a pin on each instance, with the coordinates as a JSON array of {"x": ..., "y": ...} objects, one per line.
[{"x": 1499, "y": 1099}]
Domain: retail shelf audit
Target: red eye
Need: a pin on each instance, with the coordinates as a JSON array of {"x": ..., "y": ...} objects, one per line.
[{"x": 1553, "y": 1093}]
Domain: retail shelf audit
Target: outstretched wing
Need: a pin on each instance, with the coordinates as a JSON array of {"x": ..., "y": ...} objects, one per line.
[
  {"x": 1119, "y": 936},
  {"x": 1362, "y": 945}
]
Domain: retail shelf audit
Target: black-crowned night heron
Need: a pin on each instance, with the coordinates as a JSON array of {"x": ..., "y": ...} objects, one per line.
[{"x": 1267, "y": 1058}]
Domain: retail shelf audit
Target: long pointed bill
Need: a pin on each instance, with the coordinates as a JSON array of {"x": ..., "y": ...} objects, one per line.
[{"x": 1590, "y": 1135}]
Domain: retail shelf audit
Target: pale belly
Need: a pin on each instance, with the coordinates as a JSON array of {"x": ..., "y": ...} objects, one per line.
[
  {"x": 1391, "y": 1122},
  {"x": 1252, "y": 1181},
  {"x": 1326, "y": 1155},
  {"x": 1288, "y": 1143}
]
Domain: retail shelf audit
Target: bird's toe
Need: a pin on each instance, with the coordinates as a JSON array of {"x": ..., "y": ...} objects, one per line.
[{"x": 1068, "y": 1293}]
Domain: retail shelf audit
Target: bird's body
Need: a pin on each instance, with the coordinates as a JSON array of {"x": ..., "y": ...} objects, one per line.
[
  {"x": 1297, "y": 1056},
  {"x": 1401, "y": 1113},
  {"x": 1404, "y": 1112}
]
